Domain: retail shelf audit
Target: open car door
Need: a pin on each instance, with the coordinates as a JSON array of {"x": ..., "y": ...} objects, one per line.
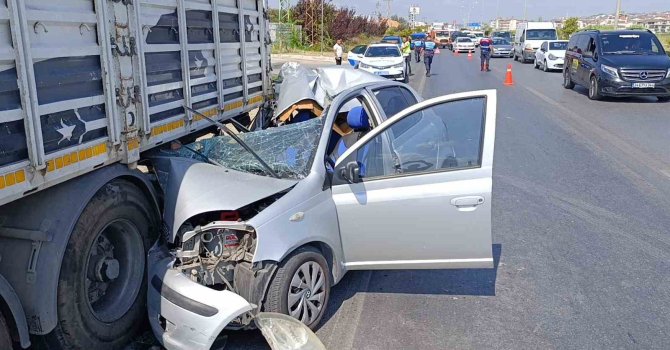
[{"x": 415, "y": 192}]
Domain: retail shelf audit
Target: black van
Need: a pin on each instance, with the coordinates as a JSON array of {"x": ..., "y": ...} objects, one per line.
[{"x": 617, "y": 63}]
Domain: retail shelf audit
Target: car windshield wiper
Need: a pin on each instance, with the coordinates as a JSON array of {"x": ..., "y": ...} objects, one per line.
[{"x": 224, "y": 128}]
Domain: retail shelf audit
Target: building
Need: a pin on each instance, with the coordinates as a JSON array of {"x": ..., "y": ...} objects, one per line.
[
  {"x": 504, "y": 24},
  {"x": 657, "y": 25}
]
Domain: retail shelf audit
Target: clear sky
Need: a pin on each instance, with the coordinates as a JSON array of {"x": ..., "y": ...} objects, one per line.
[{"x": 457, "y": 10}]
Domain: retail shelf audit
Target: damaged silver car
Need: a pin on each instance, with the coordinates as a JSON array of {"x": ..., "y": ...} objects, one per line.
[{"x": 270, "y": 220}]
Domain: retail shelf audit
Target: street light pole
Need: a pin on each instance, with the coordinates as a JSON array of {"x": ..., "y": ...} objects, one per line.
[
  {"x": 616, "y": 16},
  {"x": 525, "y": 5}
]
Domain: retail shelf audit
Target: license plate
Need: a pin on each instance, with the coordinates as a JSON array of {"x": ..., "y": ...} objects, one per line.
[
  {"x": 382, "y": 73},
  {"x": 644, "y": 85}
]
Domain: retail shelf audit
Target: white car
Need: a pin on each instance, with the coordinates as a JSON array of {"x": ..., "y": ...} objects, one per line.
[
  {"x": 384, "y": 60},
  {"x": 354, "y": 56},
  {"x": 464, "y": 44},
  {"x": 551, "y": 55}
]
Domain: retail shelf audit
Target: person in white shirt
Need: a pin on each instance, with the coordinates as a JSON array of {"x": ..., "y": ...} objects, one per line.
[{"x": 338, "y": 49}]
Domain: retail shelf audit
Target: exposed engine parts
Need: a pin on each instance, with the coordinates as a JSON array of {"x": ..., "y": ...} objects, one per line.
[{"x": 209, "y": 254}]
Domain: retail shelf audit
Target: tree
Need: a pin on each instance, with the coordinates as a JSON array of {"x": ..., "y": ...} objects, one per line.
[{"x": 570, "y": 26}]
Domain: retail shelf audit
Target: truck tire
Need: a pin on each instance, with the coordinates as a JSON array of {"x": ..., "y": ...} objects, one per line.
[
  {"x": 5, "y": 335},
  {"x": 102, "y": 284},
  {"x": 301, "y": 272}
]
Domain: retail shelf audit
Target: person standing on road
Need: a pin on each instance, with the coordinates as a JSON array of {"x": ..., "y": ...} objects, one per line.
[
  {"x": 428, "y": 53},
  {"x": 418, "y": 48},
  {"x": 407, "y": 54},
  {"x": 485, "y": 49},
  {"x": 339, "y": 50}
]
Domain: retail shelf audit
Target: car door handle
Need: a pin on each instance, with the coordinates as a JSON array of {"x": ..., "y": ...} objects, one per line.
[{"x": 470, "y": 202}]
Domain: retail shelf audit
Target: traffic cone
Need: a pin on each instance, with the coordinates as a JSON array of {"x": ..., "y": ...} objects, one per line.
[
  {"x": 470, "y": 55},
  {"x": 509, "y": 81}
]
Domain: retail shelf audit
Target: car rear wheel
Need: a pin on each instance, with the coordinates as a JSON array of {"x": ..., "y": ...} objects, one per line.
[
  {"x": 5, "y": 338},
  {"x": 663, "y": 98},
  {"x": 567, "y": 80},
  {"x": 594, "y": 89},
  {"x": 301, "y": 287}
]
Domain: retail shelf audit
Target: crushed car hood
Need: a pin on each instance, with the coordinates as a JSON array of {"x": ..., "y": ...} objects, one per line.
[
  {"x": 300, "y": 83},
  {"x": 192, "y": 187}
]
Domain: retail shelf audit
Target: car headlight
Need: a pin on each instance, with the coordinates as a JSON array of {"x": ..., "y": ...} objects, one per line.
[
  {"x": 363, "y": 65},
  {"x": 611, "y": 71},
  {"x": 552, "y": 57},
  {"x": 399, "y": 65}
]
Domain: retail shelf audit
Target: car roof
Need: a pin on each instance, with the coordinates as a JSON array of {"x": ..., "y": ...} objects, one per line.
[
  {"x": 383, "y": 45},
  {"x": 391, "y": 37}
]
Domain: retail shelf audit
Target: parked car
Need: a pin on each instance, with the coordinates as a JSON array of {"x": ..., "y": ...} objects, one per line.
[
  {"x": 393, "y": 40},
  {"x": 529, "y": 36},
  {"x": 463, "y": 44},
  {"x": 452, "y": 38},
  {"x": 355, "y": 55},
  {"x": 502, "y": 47},
  {"x": 502, "y": 34},
  {"x": 551, "y": 55},
  {"x": 385, "y": 60},
  {"x": 273, "y": 227},
  {"x": 618, "y": 63}
]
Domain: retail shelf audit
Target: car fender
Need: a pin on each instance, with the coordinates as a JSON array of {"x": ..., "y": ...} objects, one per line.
[
  {"x": 31, "y": 262},
  {"x": 297, "y": 219}
]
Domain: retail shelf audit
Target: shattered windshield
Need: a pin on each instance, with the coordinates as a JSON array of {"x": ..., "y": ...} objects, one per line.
[{"x": 288, "y": 150}]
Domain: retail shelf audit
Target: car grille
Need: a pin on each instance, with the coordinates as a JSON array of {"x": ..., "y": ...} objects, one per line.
[{"x": 637, "y": 75}]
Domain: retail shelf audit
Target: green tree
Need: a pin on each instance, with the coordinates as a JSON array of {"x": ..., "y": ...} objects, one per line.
[{"x": 570, "y": 26}]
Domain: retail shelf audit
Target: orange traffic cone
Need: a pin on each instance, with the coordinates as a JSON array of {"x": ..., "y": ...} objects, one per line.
[
  {"x": 509, "y": 81},
  {"x": 470, "y": 55}
]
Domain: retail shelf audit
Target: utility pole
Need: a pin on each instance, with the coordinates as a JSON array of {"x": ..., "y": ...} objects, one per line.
[
  {"x": 322, "y": 5},
  {"x": 284, "y": 11},
  {"x": 525, "y": 10},
  {"x": 388, "y": 8},
  {"x": 616, "y": 16}
]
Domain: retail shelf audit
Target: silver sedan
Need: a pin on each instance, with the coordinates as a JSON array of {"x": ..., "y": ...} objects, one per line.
[{"x": 382, "y": 180}]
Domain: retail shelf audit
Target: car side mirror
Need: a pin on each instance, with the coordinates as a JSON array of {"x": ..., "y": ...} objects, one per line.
[
  {"x": 351, "y": 172},
  {"x": 543, "y": 50}
]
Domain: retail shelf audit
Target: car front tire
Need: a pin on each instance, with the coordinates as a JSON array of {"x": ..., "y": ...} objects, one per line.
[
  {"x": 545, "y": 67},
  {"x": 535, "y": 65},
  {"x": 594, "y": 89},
  {"x": 301, "y": 287}
]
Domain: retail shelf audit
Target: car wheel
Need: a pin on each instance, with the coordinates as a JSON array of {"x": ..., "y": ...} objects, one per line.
[
  {"x": 102, "y": 283},
  {"x": 663, "y": 98},
  {"x": 5, "y": 337},
  {"x": 594, "y": 90},
  {"x": 301, "y": 287},
  {"x": 535, "y": 65},
  {"x": 545, "y": 67},
  {"x": 567, "y": 80},
  {"x": 515, "y": 57}
]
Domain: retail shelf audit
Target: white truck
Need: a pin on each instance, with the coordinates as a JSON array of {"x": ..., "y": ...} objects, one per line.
[
  {"x": 529, "y": 36},
  {"x": 86, "y": 86}
]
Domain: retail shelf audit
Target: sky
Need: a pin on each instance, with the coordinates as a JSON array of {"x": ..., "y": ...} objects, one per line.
[{"x": 457, "y": 10}]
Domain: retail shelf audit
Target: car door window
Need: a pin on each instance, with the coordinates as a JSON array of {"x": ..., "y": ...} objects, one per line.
[
  {"x": 394, "y": 99},
  {"x": 358, "y": 49},
  {"x": 443, "y": 137}
]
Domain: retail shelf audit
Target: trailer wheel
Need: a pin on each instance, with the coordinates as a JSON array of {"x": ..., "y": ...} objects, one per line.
[
  {"x": 102, "y": 283},
  {"x": 5, "y": 337}
]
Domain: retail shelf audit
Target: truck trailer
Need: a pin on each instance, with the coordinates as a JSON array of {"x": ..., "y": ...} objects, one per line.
[{"x": 86, "y": 88}]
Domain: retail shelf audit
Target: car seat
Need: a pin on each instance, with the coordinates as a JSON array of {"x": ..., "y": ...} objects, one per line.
[{"x": 358, "y": 120}]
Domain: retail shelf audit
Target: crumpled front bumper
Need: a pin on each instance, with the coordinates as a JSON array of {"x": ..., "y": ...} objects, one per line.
[{"x": 184, "y": 314}]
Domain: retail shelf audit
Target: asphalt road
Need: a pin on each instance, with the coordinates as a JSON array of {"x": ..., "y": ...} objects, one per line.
[{"x": 580, "y": 226}]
